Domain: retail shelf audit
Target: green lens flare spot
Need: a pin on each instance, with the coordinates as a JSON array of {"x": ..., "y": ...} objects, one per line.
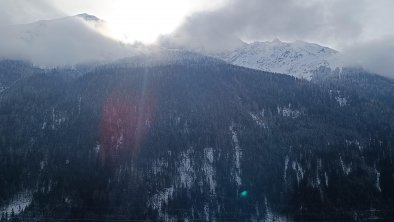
[{"x": 244, "y": 193}]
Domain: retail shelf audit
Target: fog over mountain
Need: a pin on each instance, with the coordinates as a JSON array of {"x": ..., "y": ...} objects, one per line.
[
  {"x": 25, "y": 11},
  {"x": 61, "y": 42},
  {"x": 376, "y": 56},
  {"x": 286, "y": 19}
]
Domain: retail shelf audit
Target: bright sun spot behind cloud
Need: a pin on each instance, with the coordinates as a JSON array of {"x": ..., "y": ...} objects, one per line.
[
  {"x": 144, "y": 20},
  {"x": 137, "y": 20}
]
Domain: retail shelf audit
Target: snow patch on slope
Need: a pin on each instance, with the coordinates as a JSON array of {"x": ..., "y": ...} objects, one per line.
[
  {"x": 209, "y": 169},
  {"x": 377, "y": 183},
  {"x": 258, "y": 118},
  {"x": 237, "y": 156},
  {"x": 288, "y": 112},
  {"x": 186, "y": 171},
  {"x": 17, "y": 204}
]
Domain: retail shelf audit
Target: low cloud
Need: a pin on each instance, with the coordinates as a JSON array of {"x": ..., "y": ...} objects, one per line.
[
  {"x": 26, "y": 11},
  {"x": 376, "y": 56},
  {"x": 56, "y": 42},
  {"x": 59, "y": 42},
  {"x": 313, "y": 20}
]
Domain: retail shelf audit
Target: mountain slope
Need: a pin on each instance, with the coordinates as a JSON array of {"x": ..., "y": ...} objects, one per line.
[
  {"x": 298, "y": 59},
  {"x": 194, "y": 139}
]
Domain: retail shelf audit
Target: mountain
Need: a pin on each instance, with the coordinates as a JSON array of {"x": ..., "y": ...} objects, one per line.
[
  {"x": 298, "y": 59},
  {"x": 187, "y": 137},
  {"x": 65, "y": 41}
]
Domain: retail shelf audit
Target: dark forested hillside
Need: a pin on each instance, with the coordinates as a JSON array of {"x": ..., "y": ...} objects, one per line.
[{"x": 197, "y": 140}]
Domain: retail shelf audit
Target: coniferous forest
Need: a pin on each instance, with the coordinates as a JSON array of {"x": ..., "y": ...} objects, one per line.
[{"x": 194, "y": 140}]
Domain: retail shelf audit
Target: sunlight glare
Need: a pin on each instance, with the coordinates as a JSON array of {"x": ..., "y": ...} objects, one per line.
[
  {"x": 144, "y": 21},
  {"x": 138, "y": 20}
]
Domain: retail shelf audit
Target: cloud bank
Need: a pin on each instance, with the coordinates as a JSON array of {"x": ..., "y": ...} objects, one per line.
[
  {"x": 25, "y": 11},
  {"x": 313, "y": 20},
  {"x": 376, "y": 56},
  {"x": 58, "y": 42},
  {"x": 351, "y": 26}
]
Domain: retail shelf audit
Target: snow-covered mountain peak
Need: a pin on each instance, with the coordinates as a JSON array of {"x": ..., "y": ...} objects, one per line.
[{"x": 297, "y": 58}]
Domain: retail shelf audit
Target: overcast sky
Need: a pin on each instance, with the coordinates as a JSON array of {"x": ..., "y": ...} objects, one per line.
[
  {"x": 336, "y": 23},
  {"x": 354, "y": 27}
]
